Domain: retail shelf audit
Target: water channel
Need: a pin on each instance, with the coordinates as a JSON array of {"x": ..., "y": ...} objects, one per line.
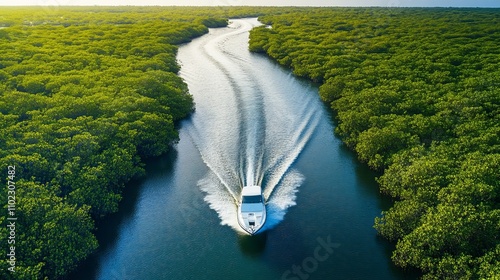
[{"x": 255, "y": 123}]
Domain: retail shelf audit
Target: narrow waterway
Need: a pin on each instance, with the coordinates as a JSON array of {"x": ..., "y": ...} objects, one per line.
[{"x": 254, "y": 124}]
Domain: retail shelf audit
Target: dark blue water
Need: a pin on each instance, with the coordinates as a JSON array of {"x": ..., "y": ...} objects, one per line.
[{"x": 254, "y": 124}]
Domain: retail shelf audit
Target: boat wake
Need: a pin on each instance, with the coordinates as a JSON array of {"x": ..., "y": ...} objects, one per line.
[{"x": 249, "y": 130}]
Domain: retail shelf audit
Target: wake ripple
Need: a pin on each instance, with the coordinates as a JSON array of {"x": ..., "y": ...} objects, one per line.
[{"x": 248, "y": 129}]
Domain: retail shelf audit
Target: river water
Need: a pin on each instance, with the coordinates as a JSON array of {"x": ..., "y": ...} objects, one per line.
[{"x": 254, "y": 124}]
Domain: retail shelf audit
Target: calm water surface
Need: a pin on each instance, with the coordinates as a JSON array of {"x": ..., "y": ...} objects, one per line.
[{"x": 254, "y": 124}]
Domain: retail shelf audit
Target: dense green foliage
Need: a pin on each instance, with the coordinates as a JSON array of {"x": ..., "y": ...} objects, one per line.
[
  {"x": 85, "y": 95},
  {"x": 416, "y": 93}
]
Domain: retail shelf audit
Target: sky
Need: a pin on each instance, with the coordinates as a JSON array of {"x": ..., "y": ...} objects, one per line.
[{"x": 382, "y": 3}]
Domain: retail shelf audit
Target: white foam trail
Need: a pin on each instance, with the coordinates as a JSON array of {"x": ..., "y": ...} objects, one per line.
[
  {"x": 222, "y": 178},
  {"x": 249, "y": 130},
  {"x": 283, "y": 198},
  {"x": 220, "y": 200},
  {"x": 294, "y": 144}
]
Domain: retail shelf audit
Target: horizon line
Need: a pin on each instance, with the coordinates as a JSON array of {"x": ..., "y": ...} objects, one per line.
[{"x": 255, "y": 6}]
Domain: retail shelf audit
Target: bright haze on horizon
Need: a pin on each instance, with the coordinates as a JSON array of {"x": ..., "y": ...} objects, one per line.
[{"x": 381, "y": 3}]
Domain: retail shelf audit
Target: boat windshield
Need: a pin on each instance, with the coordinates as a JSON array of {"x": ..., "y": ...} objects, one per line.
[{"x": 252, "y": 199}]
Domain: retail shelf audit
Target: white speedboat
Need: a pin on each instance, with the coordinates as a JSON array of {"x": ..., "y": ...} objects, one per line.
[{"x": 252, "y": 209}]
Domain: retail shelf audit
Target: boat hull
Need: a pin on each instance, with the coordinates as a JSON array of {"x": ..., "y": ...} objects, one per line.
[
  {"x": 244, "y": 224},
  {"x": 252, "y": 210}
]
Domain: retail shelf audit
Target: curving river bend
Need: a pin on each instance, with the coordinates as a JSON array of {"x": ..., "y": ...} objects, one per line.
[{"x": 254, "y": 124}]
